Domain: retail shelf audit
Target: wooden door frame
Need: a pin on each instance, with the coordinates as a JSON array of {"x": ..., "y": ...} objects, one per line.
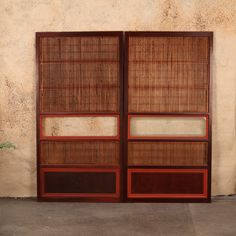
[
  {"x": 123, "y": 50},
  {"x": 39, "y": 114},
  {"x": 208, "y": 114}
]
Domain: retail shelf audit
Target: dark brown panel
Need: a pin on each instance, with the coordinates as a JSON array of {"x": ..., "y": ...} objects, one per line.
[
  {"x": 168, "y": 153},
  {"x": 168, "y": 74},
  {"x": 167, "y": 183},
  {"x": 79, "y": 74},
  {"x": 80, "y": 182},
  {"x": 80, "y": 152}
]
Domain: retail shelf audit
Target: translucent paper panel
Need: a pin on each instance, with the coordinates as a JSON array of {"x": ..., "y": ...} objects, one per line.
[
  {"x": 163, "y": 126},
  {"x": 80, "y": 126}
]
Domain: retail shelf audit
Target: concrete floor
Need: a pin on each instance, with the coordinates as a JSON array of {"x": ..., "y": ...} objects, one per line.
[{"x": 29, "y": 217}]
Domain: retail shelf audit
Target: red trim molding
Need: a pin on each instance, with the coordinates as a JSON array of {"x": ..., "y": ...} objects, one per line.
[
  {"x": 131, "y": 137},
  {"x": 76, "y": 195},
  {"x": 141, "y": 195},
  {"x": 44, "y": 137}
]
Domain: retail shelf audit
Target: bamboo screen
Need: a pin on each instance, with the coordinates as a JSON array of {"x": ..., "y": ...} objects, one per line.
[
  {"x": 82, "y": 116},
  {"x": 86, "y": 152},
  {"x": 168, "y": 98},
  {"x": 168, "y": 74},
  {"x": 79, "y": 74},
  {"x": 168, "y": 153},
  {"x": 79, "y": 79}
]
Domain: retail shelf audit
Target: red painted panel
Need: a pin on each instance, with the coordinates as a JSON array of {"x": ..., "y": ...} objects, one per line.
[
  {"x": 116, "y": 171},
  {"x": 167, "y": 195}
]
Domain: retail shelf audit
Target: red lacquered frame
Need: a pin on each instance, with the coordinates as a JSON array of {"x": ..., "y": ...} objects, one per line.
[
  {"x": 123, "y": 131},
  {"x": 76, "y": 195},
  {"x": 169, "y": 136},
  {"x": 141, "y": 195},
  {"x": 119, "y": 114},
  {"x": 43, "y": 137}
]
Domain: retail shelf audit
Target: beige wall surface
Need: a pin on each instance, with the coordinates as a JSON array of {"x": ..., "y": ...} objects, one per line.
[{"x": 20, "y": 19}]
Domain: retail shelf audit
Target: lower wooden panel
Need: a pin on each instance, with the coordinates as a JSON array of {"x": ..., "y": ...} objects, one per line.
[
  {"x": 80, "y": 182},
  {"x": 167, "y": 183}
]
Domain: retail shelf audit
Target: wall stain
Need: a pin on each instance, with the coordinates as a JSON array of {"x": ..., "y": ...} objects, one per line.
[
  {"x": 18, "y": 106},
  {"x": 208, "y": 15},
  {"x": 169, "y": 11}
]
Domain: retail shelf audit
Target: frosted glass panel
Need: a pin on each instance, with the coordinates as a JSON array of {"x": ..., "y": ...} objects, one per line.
[
  {"x": 167, "y": 126},
  {"x": 80, "y": 126}
]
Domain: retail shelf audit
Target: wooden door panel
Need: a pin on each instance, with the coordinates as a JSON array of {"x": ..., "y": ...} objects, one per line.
[
  {"x": 167, "y": 183},
  {"x": 85, "y": 152},
  {"x": 79, "y": 108},
  {"x": 168, "y": 116},
  {"x": 161, "y": 153},
  {"x": 80, "y": 182}
]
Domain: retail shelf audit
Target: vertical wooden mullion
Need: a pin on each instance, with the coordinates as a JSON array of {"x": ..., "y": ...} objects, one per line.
[
  {"x": 38, "y": 94},
  {"x": 210, "y": 52},
  {"x": 125, "y": 114},
  {"x": 121, "y": 112}
]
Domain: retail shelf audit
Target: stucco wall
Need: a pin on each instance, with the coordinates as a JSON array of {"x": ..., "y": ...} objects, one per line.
[{"x": 20, "y": 19}]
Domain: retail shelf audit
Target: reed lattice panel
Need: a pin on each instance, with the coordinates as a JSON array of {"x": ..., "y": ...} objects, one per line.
[
  {"x": 168, "y": 153},
  {"x": 86, "y": 152},
  {"x": 168, "y": 74},
  {"x": 79, "y": 74}
]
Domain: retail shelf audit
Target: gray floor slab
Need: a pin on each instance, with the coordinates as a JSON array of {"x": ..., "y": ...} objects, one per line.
[
  {"x": 215, "y": 219},
  {"x": 29, "y": 217}
]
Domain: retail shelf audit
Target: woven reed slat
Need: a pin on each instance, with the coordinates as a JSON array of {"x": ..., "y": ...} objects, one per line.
[
  {"x": 168, "y": 153},
  {"x": 79, "y": 74},
  {"x": 86, "y": 152},
  {"x": 168, "y": 74}
]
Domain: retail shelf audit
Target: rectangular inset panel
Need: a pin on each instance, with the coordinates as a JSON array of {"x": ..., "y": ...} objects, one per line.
[
  {"x": 167, "y": 153},
  {"x": 157, "y": 126},
  {"x": 77, "y": 87},
  {"x": 74, "y": 182},
  {"x": 84, "y": 126},
  {"x": 168, "y": 74},
  {"x": 167, "y": 183},
  {"x": 80, "y": 152},
  {"x": 55, "y": 49},
  {"x": 79, "y": 74}
]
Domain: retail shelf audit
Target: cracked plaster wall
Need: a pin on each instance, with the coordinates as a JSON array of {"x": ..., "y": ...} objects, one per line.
[{"x": 20, "y": 19}]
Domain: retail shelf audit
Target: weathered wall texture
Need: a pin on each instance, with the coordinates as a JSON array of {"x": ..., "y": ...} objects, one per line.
[{"x": 20, "y": 19}]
